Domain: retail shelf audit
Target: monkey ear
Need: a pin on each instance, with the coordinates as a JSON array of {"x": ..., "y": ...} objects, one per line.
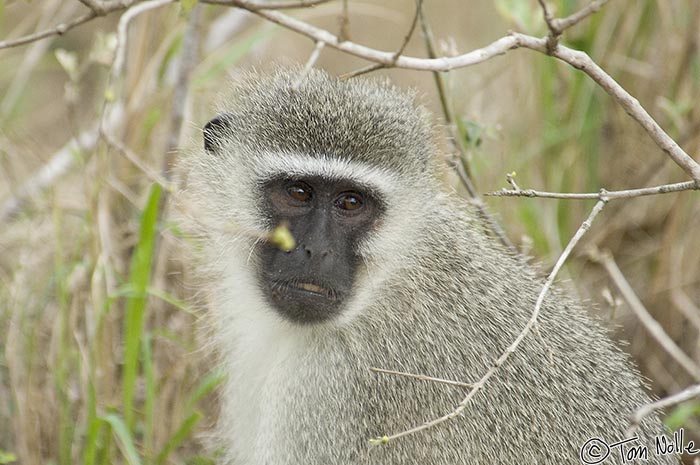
[{"x": 214, "y": 130}]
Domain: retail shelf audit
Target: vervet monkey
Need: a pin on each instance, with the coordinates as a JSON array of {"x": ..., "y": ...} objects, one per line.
[{"x": 389, "y": 270}]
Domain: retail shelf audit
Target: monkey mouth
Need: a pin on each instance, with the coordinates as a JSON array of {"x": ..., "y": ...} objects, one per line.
[
  {"x": 305, "y": 300},
  {"x": 306, "y": 287},
  {"x": 312, "y": 288}
]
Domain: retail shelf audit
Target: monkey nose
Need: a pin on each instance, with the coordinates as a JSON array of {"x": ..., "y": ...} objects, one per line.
[{"x": 312, "y": 252}]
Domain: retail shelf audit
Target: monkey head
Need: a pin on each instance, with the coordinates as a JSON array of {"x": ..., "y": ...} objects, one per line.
[{"x": 347, "y": 170}]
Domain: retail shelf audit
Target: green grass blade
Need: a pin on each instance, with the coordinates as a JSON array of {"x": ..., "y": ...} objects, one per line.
[
  {"x": 171, "y": 299},
  {"x": 208, "y": 384},
  {"x": 124, "y": 438},
  {"x": 181, "y": 434},
  {"x": 94, "y": 425},
  {"x": 136, "y": 303},
  {"x": 149, "y": 407}
]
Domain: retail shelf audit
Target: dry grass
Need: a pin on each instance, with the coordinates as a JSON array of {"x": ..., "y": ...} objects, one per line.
[{"x": 69, "y": 277}]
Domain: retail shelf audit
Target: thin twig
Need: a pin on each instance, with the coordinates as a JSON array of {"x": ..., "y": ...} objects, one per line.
[
  {"x": 273, "y": 5},
  {"x": 577, "y": 59},
  {"x": 583, "y": 62},
  {"x": 399, "y": 52},
  {"x": 32, "y": 56},
  {"x": 423, "y": 377},
  {"x": 188, "y": 60},
  {"x": 129, "y": 154},
  {"x": 562, "y": 24},
  {"x": 122, "y": 30},
  {"x": 554, "y": 33},
  {"x": 344, "y": 22},
  {"x": 557, "y": 26},
  {"x": 97, "y": 9},
  {"x": 117, "y": 69},
  {"x": 102, "y": 7},
  {"x": 461, "y": 166},
  {"x": 57, "y": 166},
  {"x": 429, "y": 41},
  {"x": 612, "y": 195},
  {"x": 55, "y": 31},
  {"x": 548, "y": 17},
  {"x": 514, "y": 40},
  {"x": 646, "y": 410},
  {"x": 585, "y": 226},
  {"x": 313, "y": 58},
  {"x": 654, "y": 328}
]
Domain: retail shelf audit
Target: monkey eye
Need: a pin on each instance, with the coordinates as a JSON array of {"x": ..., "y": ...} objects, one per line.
[
  {"x": 349, "y": 201},
  {"x": 299, "y": 191}
]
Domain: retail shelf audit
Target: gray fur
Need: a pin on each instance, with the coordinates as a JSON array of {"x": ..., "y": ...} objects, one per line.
[{"x": 436, "y": 297}]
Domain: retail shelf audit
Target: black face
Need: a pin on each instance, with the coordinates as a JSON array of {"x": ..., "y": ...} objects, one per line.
[{"x": 328, "y": 219}]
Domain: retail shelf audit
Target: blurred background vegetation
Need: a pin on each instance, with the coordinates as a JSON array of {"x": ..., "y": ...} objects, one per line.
[{"x": 100, "y": 357}]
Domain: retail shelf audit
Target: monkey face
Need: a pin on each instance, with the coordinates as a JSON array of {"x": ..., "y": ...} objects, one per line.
[{"x": 328, "y": 219}]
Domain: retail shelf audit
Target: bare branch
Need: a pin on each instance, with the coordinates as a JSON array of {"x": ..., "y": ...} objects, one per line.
[
  {"x": 577, "y": 59},
  {"x": 611, "y": 195},
  {"x": 399, "y": 52},
  {"x": 557, "y": 26},
  {"x": 273, "y": 5},
  {"x": 554, "y": 33},
  {"x": 122, "y": 29},
  {"x": 438, "y": 64},
  {"x": 422, "y": 377},
  {"x": 583, "y": 62},
  {"x": 117, "y": 69},
  {"x": 585, "y": 226},
  {"x": 188, "y": 60},
  {"x": 510, "y": 177},
  {"x": 313, "y": 58},
  {"x": 646, "y": 410},
  {"x": 96, "y": 9},
  {"x": 344, "y": 22},
  {"x": 654, "y": 328},
  {"x": 102, "y": 7},
  {"x": 548, "y": 17},
  {"x": 129, "y": 154},
  {"x": 461, "y": 166},
  {"x": 56, "y": 31},
  {"x": 58, "y": 165},
  {"x": 562, "y": 24}
]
